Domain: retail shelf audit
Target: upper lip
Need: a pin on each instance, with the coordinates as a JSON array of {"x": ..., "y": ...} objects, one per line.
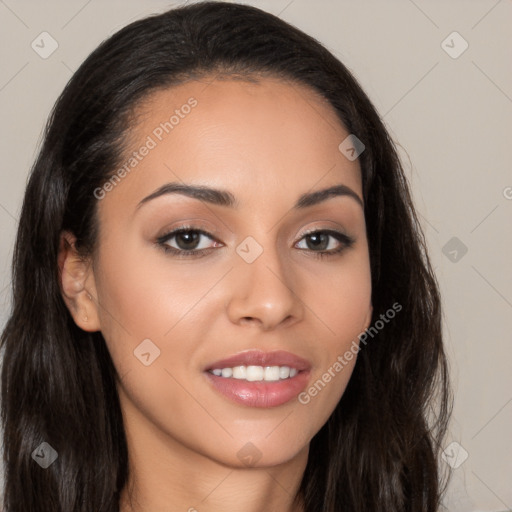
[{"x": 260, "y": 358}]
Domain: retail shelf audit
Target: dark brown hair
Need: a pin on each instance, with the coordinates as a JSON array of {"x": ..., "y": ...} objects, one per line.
[{"x": 379, "y": 449}]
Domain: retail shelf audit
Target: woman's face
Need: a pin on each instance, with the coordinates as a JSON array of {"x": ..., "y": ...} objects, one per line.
[{"x": 254, "y": 281}]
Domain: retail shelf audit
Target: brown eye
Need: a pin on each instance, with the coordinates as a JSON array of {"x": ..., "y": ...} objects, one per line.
[
  {"x": 186, "y": 241},
  {"x": 319, "y": 242}
]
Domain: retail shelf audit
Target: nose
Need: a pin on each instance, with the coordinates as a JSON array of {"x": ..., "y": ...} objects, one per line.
[{"x": 264, "y": 292}]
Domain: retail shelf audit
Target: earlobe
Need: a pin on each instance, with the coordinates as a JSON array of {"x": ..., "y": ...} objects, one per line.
[
  {"x": 77, "y": 284},
  {"x": 368, "y": 319}
]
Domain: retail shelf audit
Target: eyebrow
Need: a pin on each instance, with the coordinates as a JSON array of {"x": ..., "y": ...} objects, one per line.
[{"x": 224, "y": 198}]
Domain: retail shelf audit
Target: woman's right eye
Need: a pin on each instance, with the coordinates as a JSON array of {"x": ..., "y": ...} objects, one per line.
[{"x": 186, "y": 240}]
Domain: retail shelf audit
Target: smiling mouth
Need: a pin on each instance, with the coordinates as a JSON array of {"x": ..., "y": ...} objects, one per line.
[{"x": 259, "y": 379}]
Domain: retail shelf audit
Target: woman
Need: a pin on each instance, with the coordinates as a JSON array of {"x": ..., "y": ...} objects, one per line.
[{"x": 222, "y": 298}]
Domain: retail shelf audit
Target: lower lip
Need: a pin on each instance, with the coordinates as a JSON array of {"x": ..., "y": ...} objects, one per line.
[{"x": 260, "y": 393}]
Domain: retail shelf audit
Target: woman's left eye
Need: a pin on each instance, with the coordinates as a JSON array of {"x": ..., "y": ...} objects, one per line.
[
  {"x": 187, "y": 242},
  {"x": 322, "y": 239}
]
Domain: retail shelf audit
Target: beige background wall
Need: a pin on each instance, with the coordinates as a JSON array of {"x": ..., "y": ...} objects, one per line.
[{"x": 451, "y": 113}]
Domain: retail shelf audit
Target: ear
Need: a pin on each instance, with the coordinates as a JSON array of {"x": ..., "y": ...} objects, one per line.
[{"x": 77, "y": 284}]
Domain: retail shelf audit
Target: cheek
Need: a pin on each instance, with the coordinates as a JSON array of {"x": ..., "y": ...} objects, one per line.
[
  {"x": 340, "y": 297},
  {"x": 342, "y": 305},
  {"x": 143, "y": 295}
]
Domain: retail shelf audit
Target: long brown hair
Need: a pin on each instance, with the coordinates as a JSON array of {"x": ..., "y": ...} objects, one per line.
[{"x": 379, "y": 449}]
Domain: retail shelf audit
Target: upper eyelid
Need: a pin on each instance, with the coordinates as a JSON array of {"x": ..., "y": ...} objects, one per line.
[{"x": 183, "y": 229}]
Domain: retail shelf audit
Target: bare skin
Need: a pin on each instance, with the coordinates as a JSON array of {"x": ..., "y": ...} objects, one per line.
[{"x": 266, "y": 143}]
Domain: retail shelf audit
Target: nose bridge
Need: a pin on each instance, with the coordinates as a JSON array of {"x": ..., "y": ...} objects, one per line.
[{"x": 262, "y": 283}]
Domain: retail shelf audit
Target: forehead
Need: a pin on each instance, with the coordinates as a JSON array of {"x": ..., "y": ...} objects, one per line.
[{"x": 269, "y": 140}]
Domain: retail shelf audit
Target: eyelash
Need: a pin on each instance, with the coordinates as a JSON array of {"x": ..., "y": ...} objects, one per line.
[{"x": 345, "y": 240}]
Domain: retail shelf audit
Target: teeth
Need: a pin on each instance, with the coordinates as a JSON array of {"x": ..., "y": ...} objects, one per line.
[
  {"x": 284, "y": 372},
  {"x": 271, "y": 373},
  {"x": 240, "y": 372},
  {"x": 227, "y": 372},
  {"x": 256, "y": 373}
]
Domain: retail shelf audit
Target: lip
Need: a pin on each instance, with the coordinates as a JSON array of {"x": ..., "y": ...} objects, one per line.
[
  {"x": 260, "y": 358},
  {"x": 262, "y": 394}
]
